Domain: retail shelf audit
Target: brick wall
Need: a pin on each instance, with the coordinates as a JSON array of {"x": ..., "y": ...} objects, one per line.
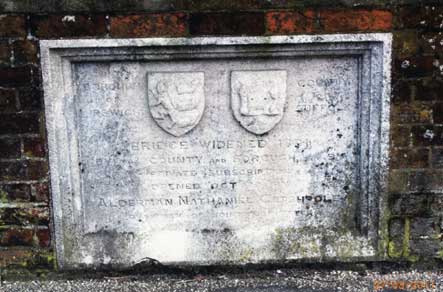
[{"x": 416, "y": 175}]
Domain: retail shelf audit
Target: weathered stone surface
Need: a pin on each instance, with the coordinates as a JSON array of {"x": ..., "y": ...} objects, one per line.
[{"x": 253, "y": 149}]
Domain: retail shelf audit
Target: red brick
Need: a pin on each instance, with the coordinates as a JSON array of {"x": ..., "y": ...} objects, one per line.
[
  {"x": 19, "y": 123},
  {"x": 405, "y": 43},
  {"x": 396, "y": 230},
  {"x": 13, "y": 256},
  {"x": 5, "y": 53},
  {"x": 227, "y": 23},
  {"x": 425, "y": 181},
  {"x": 424, "y": 227},
  {"x": 437, "y": 113},
  {"x": 34, "y": 147},
  {"x": 398, "y": 181},
  {"x": 43, "y": 237},
  {"x": 145, "y": 25},
  {"x": 41, "y": 192},
  {"x": 400, "y": 136},
  {"x": 435, "y": 14},
  {"x": 233, "y": 5},
  {"x": 287, "y": 22},
  {"x": 427, "y": 135},
  {"x": 18, "y": 76},
  {"x": 431, "y": 43},
  {"x": 355, "y": 20},
  {"x": 430, "y": 90},
  {"x": 408, "y": 17},
  {"x": 8, "y": 102},
  {"x": 415, "y": 67},
  {"x": 10, "y": 148},
  {"x": 15, "y": 193},
  {"x": 17, "y": 237},
  {"x": 412, "y": 113},
  {"x": 401, "y": 91},
  {"x": 25, "y": 52},
  {"x": 12, "y": 26},
  {"x": 24, "y": 216},
  {"x": 57, "y": 26},
  {"x": 425, "y": 18},
  {"x": 409, "y": 158},
  {"x": 419, "y": 181},
  {"x": 409, "y": 204},
  {"x": 30, "y": 98},
  {"x": 23, "y": 170},
  {"x": 437, "y": 158}
]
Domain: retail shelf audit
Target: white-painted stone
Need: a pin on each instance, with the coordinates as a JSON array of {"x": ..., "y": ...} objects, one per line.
[{"x": 217, "y": 150}]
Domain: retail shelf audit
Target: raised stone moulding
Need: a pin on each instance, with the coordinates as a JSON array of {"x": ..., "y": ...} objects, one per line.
[{"x": 176, "y": 100}]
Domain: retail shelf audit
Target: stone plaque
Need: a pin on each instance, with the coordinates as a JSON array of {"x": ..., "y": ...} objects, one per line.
[{"x": 217, "y": 150}]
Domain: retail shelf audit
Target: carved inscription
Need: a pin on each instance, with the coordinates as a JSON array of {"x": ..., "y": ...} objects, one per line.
[
  {"x": 176, "y": 100},
  {"x": 221, "y": 171},
  {"x": 173, "y": 151}
]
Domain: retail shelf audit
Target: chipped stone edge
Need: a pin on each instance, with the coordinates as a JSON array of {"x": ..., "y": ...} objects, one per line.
[
  {"x": 142, "y": 42},
  {"x": 53, "y": 75}
]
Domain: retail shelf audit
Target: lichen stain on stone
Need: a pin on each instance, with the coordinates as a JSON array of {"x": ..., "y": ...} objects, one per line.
[
  {"x": 246, "y": 255},
  {"x": 3, "y": 197},
  {"x": 318, "y": 243},
  {"x": 108, "y": 251}
]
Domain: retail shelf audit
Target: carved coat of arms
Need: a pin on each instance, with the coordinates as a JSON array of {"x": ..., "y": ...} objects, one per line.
[
  {"x": 176, "y": 100},
  {"x": 258, "y": 99}
]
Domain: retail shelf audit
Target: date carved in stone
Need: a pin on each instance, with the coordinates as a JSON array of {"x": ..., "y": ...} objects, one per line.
[
  {"x": 258, "y": 99},
  {"x": 176, "y": 100}
]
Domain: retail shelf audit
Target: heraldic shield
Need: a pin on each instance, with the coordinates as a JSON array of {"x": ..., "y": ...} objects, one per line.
[
  {"x": 258, "y": 99},
  {"x": 176, "y": 100}
]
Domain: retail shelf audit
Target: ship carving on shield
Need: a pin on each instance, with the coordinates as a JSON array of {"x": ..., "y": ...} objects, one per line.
[
  {"x": 176, "y": 100},
  {"x": 258, "y": 99}
]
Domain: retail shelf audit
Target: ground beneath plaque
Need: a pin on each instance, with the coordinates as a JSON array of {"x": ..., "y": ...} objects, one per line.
[{"x": 279, "y": 280}]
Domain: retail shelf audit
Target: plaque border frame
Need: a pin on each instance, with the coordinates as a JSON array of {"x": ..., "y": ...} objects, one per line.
[{"x": 57, "y": 57}]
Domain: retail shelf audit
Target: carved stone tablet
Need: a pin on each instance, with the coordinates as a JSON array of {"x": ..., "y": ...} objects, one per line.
[{"x": 252, "y": 150}]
